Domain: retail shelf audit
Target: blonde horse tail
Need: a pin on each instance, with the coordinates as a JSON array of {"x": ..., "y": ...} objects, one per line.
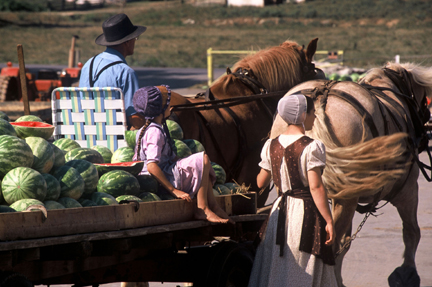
[{"x": 362, "y": 169}]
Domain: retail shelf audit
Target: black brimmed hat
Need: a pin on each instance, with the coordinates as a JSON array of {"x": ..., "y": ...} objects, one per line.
[{"x": 118, "y": 29}]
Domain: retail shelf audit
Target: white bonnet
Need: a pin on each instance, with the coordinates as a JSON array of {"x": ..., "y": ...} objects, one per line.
[{"x": 293, "y": 109}]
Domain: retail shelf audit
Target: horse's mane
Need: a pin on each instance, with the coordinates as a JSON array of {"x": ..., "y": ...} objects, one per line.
[
  {"x": 277, "y": 68},
  {"x": 421, "y": 75}
]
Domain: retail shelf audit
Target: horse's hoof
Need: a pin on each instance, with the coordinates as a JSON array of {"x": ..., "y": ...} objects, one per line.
[{"x": 404, "y": 277}]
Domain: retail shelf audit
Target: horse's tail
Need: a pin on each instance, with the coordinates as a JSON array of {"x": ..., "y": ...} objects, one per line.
[{"x": 362, "y": 169}]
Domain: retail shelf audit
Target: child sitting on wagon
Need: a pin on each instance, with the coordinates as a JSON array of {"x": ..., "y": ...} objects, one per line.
[{"x": 183, "y": 178}]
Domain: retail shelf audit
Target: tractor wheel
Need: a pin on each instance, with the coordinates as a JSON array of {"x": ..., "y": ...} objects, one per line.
[{"x": 9, "y": 89}]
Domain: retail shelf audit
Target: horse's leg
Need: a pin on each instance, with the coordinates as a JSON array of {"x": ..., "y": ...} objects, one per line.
[
  {"x": 343, "y": 213},
  {"x": 406, "y": 203}
]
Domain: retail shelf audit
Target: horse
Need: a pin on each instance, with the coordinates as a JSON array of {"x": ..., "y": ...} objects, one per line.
[
  {"x": 234, "y": 133},
  {"x": 373, "y": 131}
]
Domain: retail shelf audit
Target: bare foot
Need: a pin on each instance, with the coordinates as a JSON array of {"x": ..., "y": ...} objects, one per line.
[
  {"x": 221, "y": 213},
  {"x": 207, "y": 214}
]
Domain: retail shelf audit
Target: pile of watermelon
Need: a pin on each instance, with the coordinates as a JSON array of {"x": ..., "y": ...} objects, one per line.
[{"x": 35, "y": 170}]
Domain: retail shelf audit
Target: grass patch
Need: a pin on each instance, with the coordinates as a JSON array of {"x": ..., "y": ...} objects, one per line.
[{"x": 370, "y": 32}]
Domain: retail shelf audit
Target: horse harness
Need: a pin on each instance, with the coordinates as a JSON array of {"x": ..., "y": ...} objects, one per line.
[{"x": 259, "y": 91}]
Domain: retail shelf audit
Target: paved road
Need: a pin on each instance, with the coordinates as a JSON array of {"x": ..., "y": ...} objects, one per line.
[{"x": 378, "y": 249}]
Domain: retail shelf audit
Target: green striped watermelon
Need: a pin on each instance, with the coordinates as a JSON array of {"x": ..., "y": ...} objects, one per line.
[
  {"x": 6, "y": 209},
  {"x": 51, "y": 204},
  {"x": 33, "y": 129},
  {"x": 233, "y": 187},
  {"x": 101, "y": 198},
  {"x": 165, "y": 195},
  {"x": 148, "y": 183},
  {"x": 14, "y": 152},
  {"x": 4, "y": 116},
  {"x": 123, "y": 154},
  {"x": 104, "y": 151},
  {"x": 215, "y": 192},
  {"x": 66, "y": 144},
  {"x": 175, "y": 130},
  {"x": 194, "y": 145},
  {"x": 86, "y": 202},
  {"x": 220, "y": 173},
  {"x": 53, "y": 187},
  {"x": 43, "y": 154},
  {"x": 59, "y": 157},
  {"x": 23, "y": 183},
  {"x": 23, "y": 204},
  {"x": 68, "y": 202},
  {"x": 89, "y": 174},
  {"x": 181, "y": 149},
  {"x": 128, "y": 197},
  {"x": 133, "y": 167},
  {"x": 29, "y": 118},
  {"x": 131, "y": 138},
  {"x": 84, "y": 153},
  {"x": 71, "y": 182},
  {"x": 118, "y": 182},
  {"x": 6, "y": 128},
  {"x": 149, "y": 196},
  {"x": 222, "y": 189}
]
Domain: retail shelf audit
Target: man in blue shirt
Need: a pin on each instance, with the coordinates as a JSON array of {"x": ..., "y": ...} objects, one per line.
[{"x": 109, "y": 69}]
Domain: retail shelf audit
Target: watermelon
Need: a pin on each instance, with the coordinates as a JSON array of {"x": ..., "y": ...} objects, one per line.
[
  {"x": 53, "y": 187},
  {"x": 2, "y": 200},
  {"x": 23, "y": 183},
  {"x": 68, "y": 202},
  {"x": 6, "y": 209},
  {"x": 220, "y": 173},
  {"x": 233, "y": 187},
  {"x": 149, "y": 196},
  {"x": 23, "y": 204},
  {"x": 133, "y": 167},
  {"x": 123, "y": 154},
  {"x": 194, "y": 145},
  {"x": 43, "y": 154},
  {"x": 148, "y": 183},
  {"x": 345, "y": 78},
  {"x": 33, "y": 129},
  {"x": 4, "y": 116},
  {"x": 128, "y": 197},
  {"x": 6, "y": 128},
  {"x": 131, "y": 138},
  {"x": 118, "y": 182},
  {"x": 175, "y": 130},
  {"x": 86, "y": 202},
  {"x": 51, "y": 204},
  {"x": 88, "y": 172},
  {"x": 222, "y": 189},
  {"x": 215, "y": 192},
  {"x": 181, "y": 149},
  {"x": 165, "y": 195},
  {"x": 355, "y": 77},
  {"x": 66, "y": 144},
  {"x": 59, "y": 157},
  {"x": 71, "y": 182},
  {"x": 104, "y": 151},
  {"x": 87, "y": 154},
  {"x": 334, "y": 77},
  {"x": 29, "y": 118},
  {"x": 101, "y": 198},
  {"x": 14, "y": 152}
]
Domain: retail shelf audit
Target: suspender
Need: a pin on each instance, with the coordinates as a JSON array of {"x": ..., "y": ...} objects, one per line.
[{"x": 92, "y": 81}]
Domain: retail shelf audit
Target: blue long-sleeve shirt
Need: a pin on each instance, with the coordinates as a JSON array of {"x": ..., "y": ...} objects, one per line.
[{"x": 120, "y": 76}]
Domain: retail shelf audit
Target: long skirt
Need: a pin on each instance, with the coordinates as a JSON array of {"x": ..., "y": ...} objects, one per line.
[{"x": 295, "y": 268}]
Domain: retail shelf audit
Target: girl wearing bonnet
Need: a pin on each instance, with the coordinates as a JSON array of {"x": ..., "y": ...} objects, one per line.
[
  {"x": 184, "y": 178},
  {"x": 296, "y": 246}
]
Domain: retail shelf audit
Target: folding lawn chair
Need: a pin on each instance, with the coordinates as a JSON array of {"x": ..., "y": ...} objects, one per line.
[{"x": 90, "y": 116}]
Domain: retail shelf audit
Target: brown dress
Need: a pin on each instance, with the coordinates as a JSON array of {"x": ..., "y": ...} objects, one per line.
[{"x": 293, "y": 252}]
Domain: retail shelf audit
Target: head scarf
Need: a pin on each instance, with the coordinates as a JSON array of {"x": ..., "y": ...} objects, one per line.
[
  {"x": 148, "y": 101},
  {"x": 293, "y": 109}
]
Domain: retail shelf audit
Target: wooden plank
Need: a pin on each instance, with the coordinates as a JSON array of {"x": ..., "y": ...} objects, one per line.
[
  {"x": 32, "y": 243},
  {"x": 110, "y": 218}
]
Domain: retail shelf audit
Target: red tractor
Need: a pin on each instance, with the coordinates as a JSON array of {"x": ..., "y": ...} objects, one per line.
[{"x": 40, "y": 86}]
